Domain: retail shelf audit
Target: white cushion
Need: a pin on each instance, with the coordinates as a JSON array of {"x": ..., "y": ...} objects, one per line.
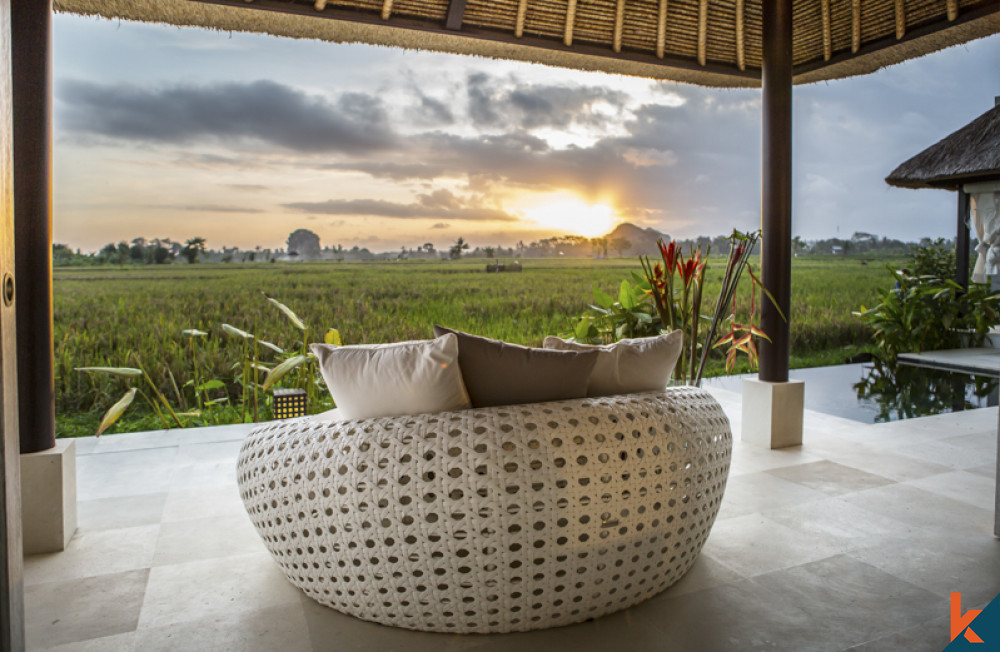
[
  {"x": 642, "y": 364},
  {"x": 329, "y": 416},
  {"x": 382, "y": 380}
]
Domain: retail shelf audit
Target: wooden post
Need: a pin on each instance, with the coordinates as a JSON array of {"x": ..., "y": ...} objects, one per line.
[
  {"x": 11, "y": 581},
  {"x": 776, "y": 186},
  {"x": 32, "y": 93},
  {"x": 962, "y": 240}
]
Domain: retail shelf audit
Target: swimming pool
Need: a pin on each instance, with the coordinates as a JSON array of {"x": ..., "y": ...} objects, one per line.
[{"x": 873, "y": 392}]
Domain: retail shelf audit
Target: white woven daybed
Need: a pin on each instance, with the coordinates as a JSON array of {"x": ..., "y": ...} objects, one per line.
[{"x": 493, "y": 519}]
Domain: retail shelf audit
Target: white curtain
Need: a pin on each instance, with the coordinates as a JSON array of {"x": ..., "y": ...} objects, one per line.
[{"x": 985, "y": 204}]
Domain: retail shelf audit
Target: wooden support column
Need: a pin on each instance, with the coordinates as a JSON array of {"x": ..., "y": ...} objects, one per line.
[
  {"x": 32, "y": 88},
  {"x": 962, "y": 240},
  {"x": 776, "y": 186},
  {"x": 11, "y": 552}
]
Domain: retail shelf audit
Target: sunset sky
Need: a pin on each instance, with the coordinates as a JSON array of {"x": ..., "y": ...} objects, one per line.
[{"x": 168, "y": 132}]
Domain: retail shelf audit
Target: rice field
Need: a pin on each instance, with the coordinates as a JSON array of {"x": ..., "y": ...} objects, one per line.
[{"x": 105, "y": 315}]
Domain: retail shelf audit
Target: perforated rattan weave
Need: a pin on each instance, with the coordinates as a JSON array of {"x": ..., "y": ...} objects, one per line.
[{"x": 495, "y": 519}]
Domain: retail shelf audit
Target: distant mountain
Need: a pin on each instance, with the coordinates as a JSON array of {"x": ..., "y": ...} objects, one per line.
[{"x": 641, "y": 241}]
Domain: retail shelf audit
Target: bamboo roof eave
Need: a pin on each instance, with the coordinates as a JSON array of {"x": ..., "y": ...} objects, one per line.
[{"x": 347, "y": 21}]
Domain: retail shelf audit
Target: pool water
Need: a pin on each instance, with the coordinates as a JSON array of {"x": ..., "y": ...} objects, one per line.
[{"x": 873, "y": 392}]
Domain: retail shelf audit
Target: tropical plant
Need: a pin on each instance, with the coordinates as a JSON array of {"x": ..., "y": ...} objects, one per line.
[
  {"x": 125, "y": 401},
  {"x": 630, "y": 315},
  {"x": 927, "y": 313},
  {"x": 676, "y": 284}
]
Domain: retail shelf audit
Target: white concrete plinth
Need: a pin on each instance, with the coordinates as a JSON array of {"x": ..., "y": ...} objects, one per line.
[
  {"x": 48, "y": 497},
  {"x": 772, "y": 413}
]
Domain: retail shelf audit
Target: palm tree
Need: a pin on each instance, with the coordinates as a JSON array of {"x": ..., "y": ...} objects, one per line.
[
  {"x": 194, "y": 247},
  {"x": 456, "y": 249}
]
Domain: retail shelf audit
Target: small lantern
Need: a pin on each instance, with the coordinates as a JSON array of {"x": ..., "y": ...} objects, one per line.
[{"x": 289, "y": 403}]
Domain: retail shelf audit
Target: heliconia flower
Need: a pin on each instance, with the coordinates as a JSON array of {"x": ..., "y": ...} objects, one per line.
[
  {"x": 687, "y": 269},
  {"x": 657, "y": 271},
  {"x": 669, "y": 254}
]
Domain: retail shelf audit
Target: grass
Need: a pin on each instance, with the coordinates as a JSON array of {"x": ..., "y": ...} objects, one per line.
[{"x": 102, "y": 315}]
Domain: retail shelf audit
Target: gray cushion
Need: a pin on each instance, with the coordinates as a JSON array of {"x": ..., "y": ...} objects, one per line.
[
  {"x": 628, "y": 366},
  {"x": 498, "y": 373}
]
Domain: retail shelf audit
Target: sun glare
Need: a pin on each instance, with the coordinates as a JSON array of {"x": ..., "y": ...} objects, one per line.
[{"x": 572, "y": 216}]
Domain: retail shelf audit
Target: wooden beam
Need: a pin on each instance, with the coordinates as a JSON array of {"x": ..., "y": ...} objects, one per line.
[
  {"x": 570, "y": 20},
  {"x": 319, "y": 5},
  {"x": 702, "y": 30},
  {"x": 11, "y": 547},
  {"x": 31, "y": 61},
  {"x": 661, "y": 29},
  {"x": 741, "y": 48},
  {"x": 824, "y": 7},
  {"x": 386, "y": 9},
  {"x": 619, "y": 24},
  {"x": 855, "y": 25},
  {"x": 776, "y": 187},
  {"x": 456, "y": 13},
  {"x": 952, "y": 10},
  {"x": 522, "y": 10},
  {"x": 962, "y": 237},
  {"x": 900, "y": 9}
]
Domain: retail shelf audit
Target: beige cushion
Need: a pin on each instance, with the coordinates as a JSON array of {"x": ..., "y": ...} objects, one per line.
[
  {"x": 383, "y": 380},
  {"x": 631, "y": 365},
  {"x": 498, "y": 373}
]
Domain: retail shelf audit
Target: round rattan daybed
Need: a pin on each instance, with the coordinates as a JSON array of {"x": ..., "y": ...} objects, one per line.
[{"x": 493, "y": 519}]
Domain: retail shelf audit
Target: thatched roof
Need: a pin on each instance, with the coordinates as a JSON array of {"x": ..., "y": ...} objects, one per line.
[
  {"x": 970, "y": 154},
  {"x": 713, "y": 43}
]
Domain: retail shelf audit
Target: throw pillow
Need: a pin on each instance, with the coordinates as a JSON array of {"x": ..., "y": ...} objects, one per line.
[
  {"x": 642, "y": 364},
  {"x": 498, "y": 373},
  {"x": 383, "y": 380}
]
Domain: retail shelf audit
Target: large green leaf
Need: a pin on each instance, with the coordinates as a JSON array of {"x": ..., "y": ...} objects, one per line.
[
  {"x": 116, "y": 411},
  {"x": 626, "y": 296},
  {"x": 211, "y": 384},
  {"x": 122, "y": 372},
  {"x": 282, "y": 369},
  {"x": 603, "y": 299},
  {"x": 292, "y": 317}
]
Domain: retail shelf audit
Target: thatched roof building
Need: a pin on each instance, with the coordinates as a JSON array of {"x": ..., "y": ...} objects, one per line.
[
  {"x": 712, "y": 43},
  {"x": 969, "y": 155}
]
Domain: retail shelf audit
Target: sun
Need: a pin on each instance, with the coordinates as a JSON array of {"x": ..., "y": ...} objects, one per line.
[{"x": 572, "y": 215}]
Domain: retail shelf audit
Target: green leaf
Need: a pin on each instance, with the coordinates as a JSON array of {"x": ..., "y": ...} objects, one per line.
[
  {"x": 116, "y": 411},
  {"x": 626, "y": 296},
  {"x": 332, "y": 337},
  {"x": 211, "y": 384},
  {"x": 643, "y": 317},
  {"x": 603, "y": 299},
  {"x": 193, "y": 332},
  {"x": 583, "y": 328},
  {"x": 122, "y": 372},
  {"x": 292, "y": 317},
  {"x": 236, "y": 332},
  {"x": 282, "y": 369},
  {"x": 274, "y": 347}
]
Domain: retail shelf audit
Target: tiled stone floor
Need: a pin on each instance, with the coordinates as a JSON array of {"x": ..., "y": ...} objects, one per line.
[{"x": 853, "y": 541}]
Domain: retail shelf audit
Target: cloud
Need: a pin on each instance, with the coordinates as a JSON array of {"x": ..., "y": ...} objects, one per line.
[
  {"x": 395, "y": 210},
  {"x": 493, "y": 102},
  {"x": 214, "y": 208},
  {"x": 229, "y": 113},
  {"x": 249, "y": 187}
]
